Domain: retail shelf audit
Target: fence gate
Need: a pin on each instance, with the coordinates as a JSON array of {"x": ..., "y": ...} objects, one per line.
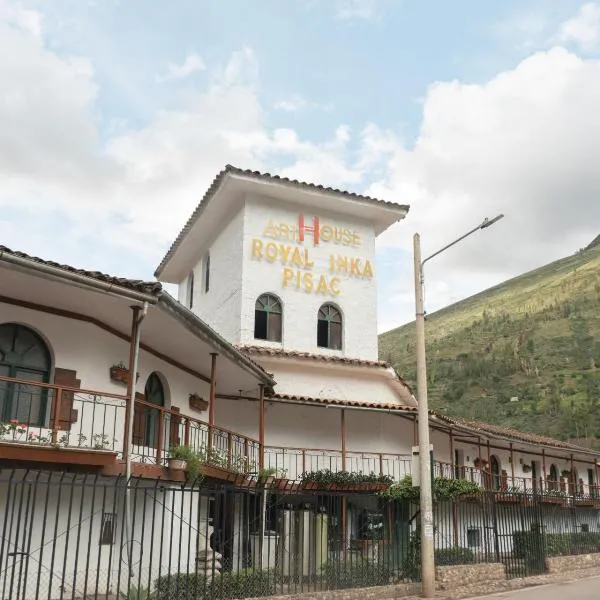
[
  {"x": 520, "y": 537},
  {"x": 17, "y": 516}
]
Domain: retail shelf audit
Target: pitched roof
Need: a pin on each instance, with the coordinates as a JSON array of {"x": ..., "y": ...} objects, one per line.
[
  {"x": 327, "y": 358},
  {"x": 266, "y": 177},
  {"x": 514, "y": 434},
  {"x": 337, "y": 402},
  {"x": 137, "y": 285}
]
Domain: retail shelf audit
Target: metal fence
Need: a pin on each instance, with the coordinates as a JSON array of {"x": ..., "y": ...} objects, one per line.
[{"x": 66, "y": 535}]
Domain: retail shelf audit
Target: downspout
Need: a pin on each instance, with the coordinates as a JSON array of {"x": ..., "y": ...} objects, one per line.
[{"x": 133, "y": 365}]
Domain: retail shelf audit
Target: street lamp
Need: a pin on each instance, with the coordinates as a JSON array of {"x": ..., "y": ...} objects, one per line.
[{"x": 427, "y": 550}]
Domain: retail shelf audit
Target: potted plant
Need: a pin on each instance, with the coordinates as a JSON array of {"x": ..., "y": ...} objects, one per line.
[
  {"x": 267, "y": 476},
  {"x": 184, "y": 458},
  {"x": 120, "y": 373}
]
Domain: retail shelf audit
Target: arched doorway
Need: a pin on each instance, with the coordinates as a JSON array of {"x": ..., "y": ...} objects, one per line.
[
  {"x": 23, "y": 355},
  {"x": 495, "y": 472}
]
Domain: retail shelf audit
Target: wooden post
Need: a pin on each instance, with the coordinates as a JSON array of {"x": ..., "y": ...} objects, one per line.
[
  {"x": 573, "y": 478},
  {"x": 343, "y": 433},
  {"x": 512, "y": 465},
  {"x": 160, "y": 436},
  {"x": 56, "y": 410},
  {"x": 544, "y": 484},
  {"x": 135, "y": 323},
  {"x": 261, "y": 427},
  {"x": 213, "y": 395},
  {"x": 415, "y": 432},
  {"x": 455, "y": 472},
  {"x": 186, "y": 434},
  {"x": 489, "y": 466}
]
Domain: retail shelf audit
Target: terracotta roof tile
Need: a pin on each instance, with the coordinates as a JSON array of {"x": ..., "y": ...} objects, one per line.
[
  {"x": 514, "y": 434},
  {"x": 279, "y": 352},
  {"x": 337, "y": 402},
  {"x": 229, "y": 169},
  {"x": 145, "y": 287}
]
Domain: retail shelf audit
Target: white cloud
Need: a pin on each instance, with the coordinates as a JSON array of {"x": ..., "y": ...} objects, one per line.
[
  {"x": 359, "y": 9},
  {"x": 192, "y": 63},
  {"x": 21, "y": 18},
  {"x": 583, "y": 29},
  {"x": 296, "y": 103}
]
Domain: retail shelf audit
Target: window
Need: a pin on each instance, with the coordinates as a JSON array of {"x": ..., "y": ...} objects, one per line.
[
  {"x": 190, "y": 290},
  {"x": 23, "y": 355},
  {"x": 473, "y": 538},
  {"x": 107, "y": 532},
  {"x": 329, "y": 327},
  {"x": 207, "y": 272},
  {"x": 268, "y": 318},
  {"x": 585, "y": 528}
]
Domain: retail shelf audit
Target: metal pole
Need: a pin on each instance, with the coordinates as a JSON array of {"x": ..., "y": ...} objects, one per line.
[
  {"x": 427, "y": 557},
  {"x": 134, "y": 352}
]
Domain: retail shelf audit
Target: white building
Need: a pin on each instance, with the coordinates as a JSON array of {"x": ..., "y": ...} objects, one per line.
[{"x": 267, "y": 360}]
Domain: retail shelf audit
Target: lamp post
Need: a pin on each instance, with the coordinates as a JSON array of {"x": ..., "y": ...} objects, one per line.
[{"x": 427, "y": 550}]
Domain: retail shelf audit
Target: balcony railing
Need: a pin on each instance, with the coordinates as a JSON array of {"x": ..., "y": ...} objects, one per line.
[{"x": 46, "y": 415}]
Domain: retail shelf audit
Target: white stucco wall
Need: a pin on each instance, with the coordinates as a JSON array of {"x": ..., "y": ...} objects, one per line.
[
  {"x": 337, "y": 382},
  {"x": 220, "y": 307},
  {"x": 357, "y": 296}
]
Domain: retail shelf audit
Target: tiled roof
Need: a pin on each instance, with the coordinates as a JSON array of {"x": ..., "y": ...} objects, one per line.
[
  {"x": 145, "y": 287},
  {"x": 328, "y": 358},
  {"x": 267, "y": 177},
  {"x": 337, "y": 402},
  {"x": 505, "y": 432}
]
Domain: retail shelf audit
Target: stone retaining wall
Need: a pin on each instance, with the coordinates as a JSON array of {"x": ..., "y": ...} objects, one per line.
[
  {"x": 564, "y": 564},
  {"x": 382, "y": 592},
  {"x": 463, "y": 575}
]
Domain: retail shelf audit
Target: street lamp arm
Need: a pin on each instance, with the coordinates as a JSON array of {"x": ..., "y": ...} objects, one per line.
[{"x": 486, "y": 223}]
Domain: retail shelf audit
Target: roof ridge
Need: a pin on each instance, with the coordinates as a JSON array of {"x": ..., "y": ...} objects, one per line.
[{"x": 231, "y": 169}]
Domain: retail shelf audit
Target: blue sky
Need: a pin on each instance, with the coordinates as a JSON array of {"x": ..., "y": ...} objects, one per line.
[{"x": 119, "y": 113}]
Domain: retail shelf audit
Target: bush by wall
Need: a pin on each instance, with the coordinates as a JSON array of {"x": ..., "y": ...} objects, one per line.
[
  {"x": 248, "y": 583},
  {"x": 360, "y": 573},
  {"x": 454, "y": 556},
  {"x": 555, "y": 544}
]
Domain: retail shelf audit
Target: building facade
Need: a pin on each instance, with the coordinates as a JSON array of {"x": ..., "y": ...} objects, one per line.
[{"x": 265, "y": 367}]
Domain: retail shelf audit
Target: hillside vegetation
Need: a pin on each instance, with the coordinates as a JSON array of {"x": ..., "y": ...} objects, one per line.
[{"x": 524, "y": 354}]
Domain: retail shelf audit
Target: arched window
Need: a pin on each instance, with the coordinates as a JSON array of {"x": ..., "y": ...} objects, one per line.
[
  {"x": 495, "y": 471},
  {"x": 23, "y": 355},
  {"x": 329, "y": 327},
  {"x": 154, "y": 393},
  {"x": 268, "y": 318},
  {"x": 553, "y": 478}
]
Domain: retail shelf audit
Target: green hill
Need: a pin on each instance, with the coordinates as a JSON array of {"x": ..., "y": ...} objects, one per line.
[{"x": 523, "y": 354}]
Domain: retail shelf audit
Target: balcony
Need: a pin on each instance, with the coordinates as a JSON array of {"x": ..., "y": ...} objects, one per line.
[
  {"x": 78, "y": 429},
  {"x": 89, "y": 434}
]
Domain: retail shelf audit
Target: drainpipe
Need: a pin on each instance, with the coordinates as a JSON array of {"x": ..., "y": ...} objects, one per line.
[{"x": 134, "y": 351}]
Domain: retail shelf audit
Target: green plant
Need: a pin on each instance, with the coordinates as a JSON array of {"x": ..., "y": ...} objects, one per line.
[
  {"x": 248, "y": 583},
  {"x": 326, "y": 476},
  {"x": 137, "y": 593},
  {"x": 356, "y": 574},
  {"x": 443, "y": 489},
  {"x": 454, "y": 556},
  {"x": 192, "y": 458}
]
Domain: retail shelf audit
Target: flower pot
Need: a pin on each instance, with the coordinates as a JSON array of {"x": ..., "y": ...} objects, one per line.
[
  {"x": 121, "y": 374},
  {"x": 177, "y": 464}
]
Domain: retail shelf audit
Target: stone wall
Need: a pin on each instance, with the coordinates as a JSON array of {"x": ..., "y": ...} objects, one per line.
[
  {"x": 464, "y": 575},
  {"x": 564, "y": 564},
  {"x": 383, "y": 592}
]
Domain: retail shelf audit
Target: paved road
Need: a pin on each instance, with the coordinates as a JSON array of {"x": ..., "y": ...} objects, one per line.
[{"x": 585, "y": 589}]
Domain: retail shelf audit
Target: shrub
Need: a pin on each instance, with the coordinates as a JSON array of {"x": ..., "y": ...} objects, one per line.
[
  {"x": 454, "y": 556},
  {"x": 248, "y": 583},
  {"x": 527, "y": 543},
  {"x": 355, "y": 574}
]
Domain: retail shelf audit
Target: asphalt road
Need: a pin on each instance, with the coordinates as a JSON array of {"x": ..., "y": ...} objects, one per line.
[{"x": 584, "y": 589}]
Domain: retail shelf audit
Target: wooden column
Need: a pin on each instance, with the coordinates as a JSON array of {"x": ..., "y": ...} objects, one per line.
[
  {"x": 213, "y": 395},
  {"x": 573, "y": 479},
  {"x": 135, "y": 323},
  {"x": 343, "y": 434},
  {"x": 261, "y": 426},
  {"x": 545, "y": 475},
  {"x": 455, "y": 473},
  {"x": 415, "y": 432},
  {"x": 512, "y": 465}
]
